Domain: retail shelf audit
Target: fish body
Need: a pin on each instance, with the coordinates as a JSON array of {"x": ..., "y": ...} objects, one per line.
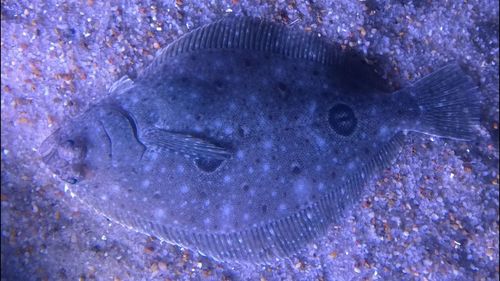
[{"x": 243, "y": 142}]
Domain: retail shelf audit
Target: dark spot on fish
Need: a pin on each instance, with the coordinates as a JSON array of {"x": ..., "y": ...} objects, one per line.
[
  {"x": 264, "y": 209},
  {"x": 241, "y": 131},
  {"x": 203, "y": 194},
  {"x": 342, "y": 119},
  {"x": 246, "y": 187},
  {"x": 198, "y": 117},
  {"x": 366, "y": 150},
  {"x": 247, "y": 63},
  {"x": 218, "y": 84},
  {"x": 315, "y": 72},
  {"x": 282, "y": 87},
  {"x": 208, "y": 165},
  {"x": 333, "y": 174},
  {"x": 295, "y": 169},
  {"x": 192, "y": 57}
]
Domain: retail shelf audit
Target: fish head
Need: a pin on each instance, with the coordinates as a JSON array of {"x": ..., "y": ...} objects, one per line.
[{"x": 74, "y": 150}]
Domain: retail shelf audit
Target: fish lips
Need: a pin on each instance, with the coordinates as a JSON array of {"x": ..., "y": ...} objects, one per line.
[{"x": 49, "y": 146}]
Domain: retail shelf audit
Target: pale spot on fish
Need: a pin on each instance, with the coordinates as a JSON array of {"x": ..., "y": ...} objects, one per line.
[
  {"x": 282, "y": 207},
  {"x": 301, "y": 188},
  {"x": 351, "y": 165},
  {"x": 184, "y": 188},
  {"x": 159, "y": 214},
  {"x": 312, "y": 107},
  {"x": 228, "y": 130},
  {"x": 227, "y": 210},
  {"x": 320, "y": 141},
  {"x": 266, "y": 167},
  {"x": 145, "y": 183},
  {"x": 180, "y": 168},
  {"x": 148, "y": 168},
  {"x": 217, "y": 123},
  {"x": 115, "y": 188},
  {"x": 268, "y": 144},
  {"x": 240, "y": 154}
]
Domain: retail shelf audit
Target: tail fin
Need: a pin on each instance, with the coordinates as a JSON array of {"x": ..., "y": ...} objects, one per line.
[{"x": 449, "y": 103}]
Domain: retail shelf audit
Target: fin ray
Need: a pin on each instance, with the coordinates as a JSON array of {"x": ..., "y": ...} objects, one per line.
[
  {"x": 448, "y": 102},
  {"x": 248, "y": 33},
  {"x": 185, "y": 144}
]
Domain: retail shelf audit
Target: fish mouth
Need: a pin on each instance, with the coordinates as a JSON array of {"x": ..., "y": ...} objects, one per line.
[{"x": 48, "y": 147}]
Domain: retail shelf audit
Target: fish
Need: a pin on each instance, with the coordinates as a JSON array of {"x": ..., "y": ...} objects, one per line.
[{"x": 243, "y": 142}]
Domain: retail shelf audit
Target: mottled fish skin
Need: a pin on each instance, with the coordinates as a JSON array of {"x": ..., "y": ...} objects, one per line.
[{"x": 242, "y": 142}]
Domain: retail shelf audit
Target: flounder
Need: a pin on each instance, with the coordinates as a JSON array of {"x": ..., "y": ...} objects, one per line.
[{"x": 242, "y": 141}]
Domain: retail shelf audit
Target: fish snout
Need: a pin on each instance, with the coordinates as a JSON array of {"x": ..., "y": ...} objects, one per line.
[{"x": 65, "y": 157}]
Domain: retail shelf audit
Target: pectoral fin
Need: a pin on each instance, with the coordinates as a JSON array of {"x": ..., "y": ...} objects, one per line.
[{"x": 185, "y": 144}]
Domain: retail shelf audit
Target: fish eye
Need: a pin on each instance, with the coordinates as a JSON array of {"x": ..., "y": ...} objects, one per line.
[
  {"x": 71, "y": 150},
  {"x": 342, "y": 119},
  {"x": 72, "y": 180}
]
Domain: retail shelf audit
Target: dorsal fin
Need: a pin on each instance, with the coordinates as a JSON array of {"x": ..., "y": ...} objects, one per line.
[
  {"x": 121, "y": 85},
  {"x": 250, "y": 34}
]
